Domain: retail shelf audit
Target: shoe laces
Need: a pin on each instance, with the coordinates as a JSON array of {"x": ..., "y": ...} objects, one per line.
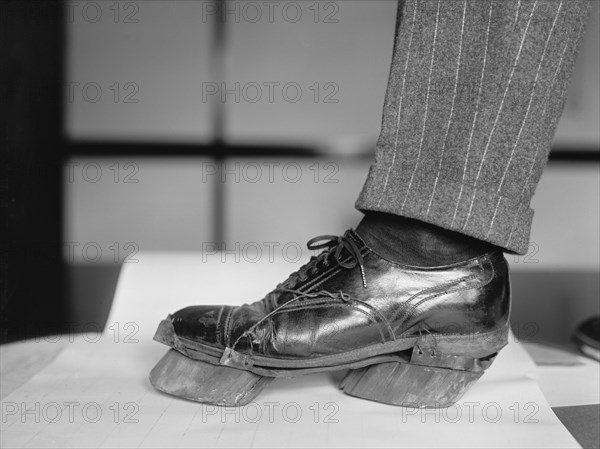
[{"x": 331, "y": 244}]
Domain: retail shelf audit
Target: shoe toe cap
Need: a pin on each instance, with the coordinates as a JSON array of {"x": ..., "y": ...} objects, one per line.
[{"x": 199, "y": 323}]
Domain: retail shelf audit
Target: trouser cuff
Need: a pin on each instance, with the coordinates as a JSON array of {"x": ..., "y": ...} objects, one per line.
[{"x": 470, "y": 210}]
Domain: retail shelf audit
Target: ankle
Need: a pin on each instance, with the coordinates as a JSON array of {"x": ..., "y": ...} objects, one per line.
[{"x": 413, "y": 242}]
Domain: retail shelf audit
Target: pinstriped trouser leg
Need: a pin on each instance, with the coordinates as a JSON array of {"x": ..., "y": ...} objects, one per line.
[{"x": 475, "y": 92}]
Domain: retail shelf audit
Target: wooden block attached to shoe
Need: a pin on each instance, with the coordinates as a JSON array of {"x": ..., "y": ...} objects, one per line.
[
  {"x": 429, "y": 380},
  {"x": 409, "y": 385},
  {"x": 181, "y": 376}
]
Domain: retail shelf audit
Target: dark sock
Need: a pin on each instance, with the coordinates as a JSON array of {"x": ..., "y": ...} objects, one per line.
[{"x": 413, "y": 242}]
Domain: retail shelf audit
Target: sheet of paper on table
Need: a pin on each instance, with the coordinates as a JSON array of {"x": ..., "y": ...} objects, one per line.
[{"x": 96, "y": 393}]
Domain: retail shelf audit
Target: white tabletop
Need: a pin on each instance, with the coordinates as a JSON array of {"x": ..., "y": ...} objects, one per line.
[{"x": 107, "y": 373}]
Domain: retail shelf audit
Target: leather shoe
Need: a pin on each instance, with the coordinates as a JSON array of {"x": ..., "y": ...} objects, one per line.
[{"x": 410, "y": 336}]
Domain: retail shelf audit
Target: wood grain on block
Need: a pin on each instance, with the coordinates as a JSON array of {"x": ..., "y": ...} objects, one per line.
[
  {"x": 181, "y": 376},
  {"x": 409, "y": 385}
]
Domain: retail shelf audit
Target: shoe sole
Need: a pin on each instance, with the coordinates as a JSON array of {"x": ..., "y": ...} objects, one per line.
[{"x": 435, "y": 374}]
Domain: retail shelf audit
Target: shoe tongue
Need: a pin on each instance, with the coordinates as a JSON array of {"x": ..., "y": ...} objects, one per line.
[
  {"x": 283, "y": 297},
  {"x": 351, "y": 233}
]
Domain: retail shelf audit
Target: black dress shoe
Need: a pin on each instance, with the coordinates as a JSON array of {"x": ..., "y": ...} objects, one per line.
[{"x": 410, "y": 336}]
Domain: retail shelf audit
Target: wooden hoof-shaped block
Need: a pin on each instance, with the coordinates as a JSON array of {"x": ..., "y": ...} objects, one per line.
[
  {"x": 181, "y": 376},
  {"x": 409, "y": 385}
]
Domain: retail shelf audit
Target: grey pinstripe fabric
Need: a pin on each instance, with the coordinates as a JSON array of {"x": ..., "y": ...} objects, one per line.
[{"x": 475, "y": 92}]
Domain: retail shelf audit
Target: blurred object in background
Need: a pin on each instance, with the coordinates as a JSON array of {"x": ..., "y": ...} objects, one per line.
[
  {"x": 587, "y": 337},
  {"x": 310, "y": 73},
  {"x": 316, "y": 77},
  {"x": 32, "y": 289}
]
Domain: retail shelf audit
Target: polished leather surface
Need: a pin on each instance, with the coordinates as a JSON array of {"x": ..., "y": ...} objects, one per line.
[{"x": 326, "y": 308}]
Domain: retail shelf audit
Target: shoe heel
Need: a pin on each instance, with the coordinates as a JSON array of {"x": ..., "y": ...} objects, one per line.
[
  {"x": 427, "y": 380},
  {"x": 181, "y": 376}
]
